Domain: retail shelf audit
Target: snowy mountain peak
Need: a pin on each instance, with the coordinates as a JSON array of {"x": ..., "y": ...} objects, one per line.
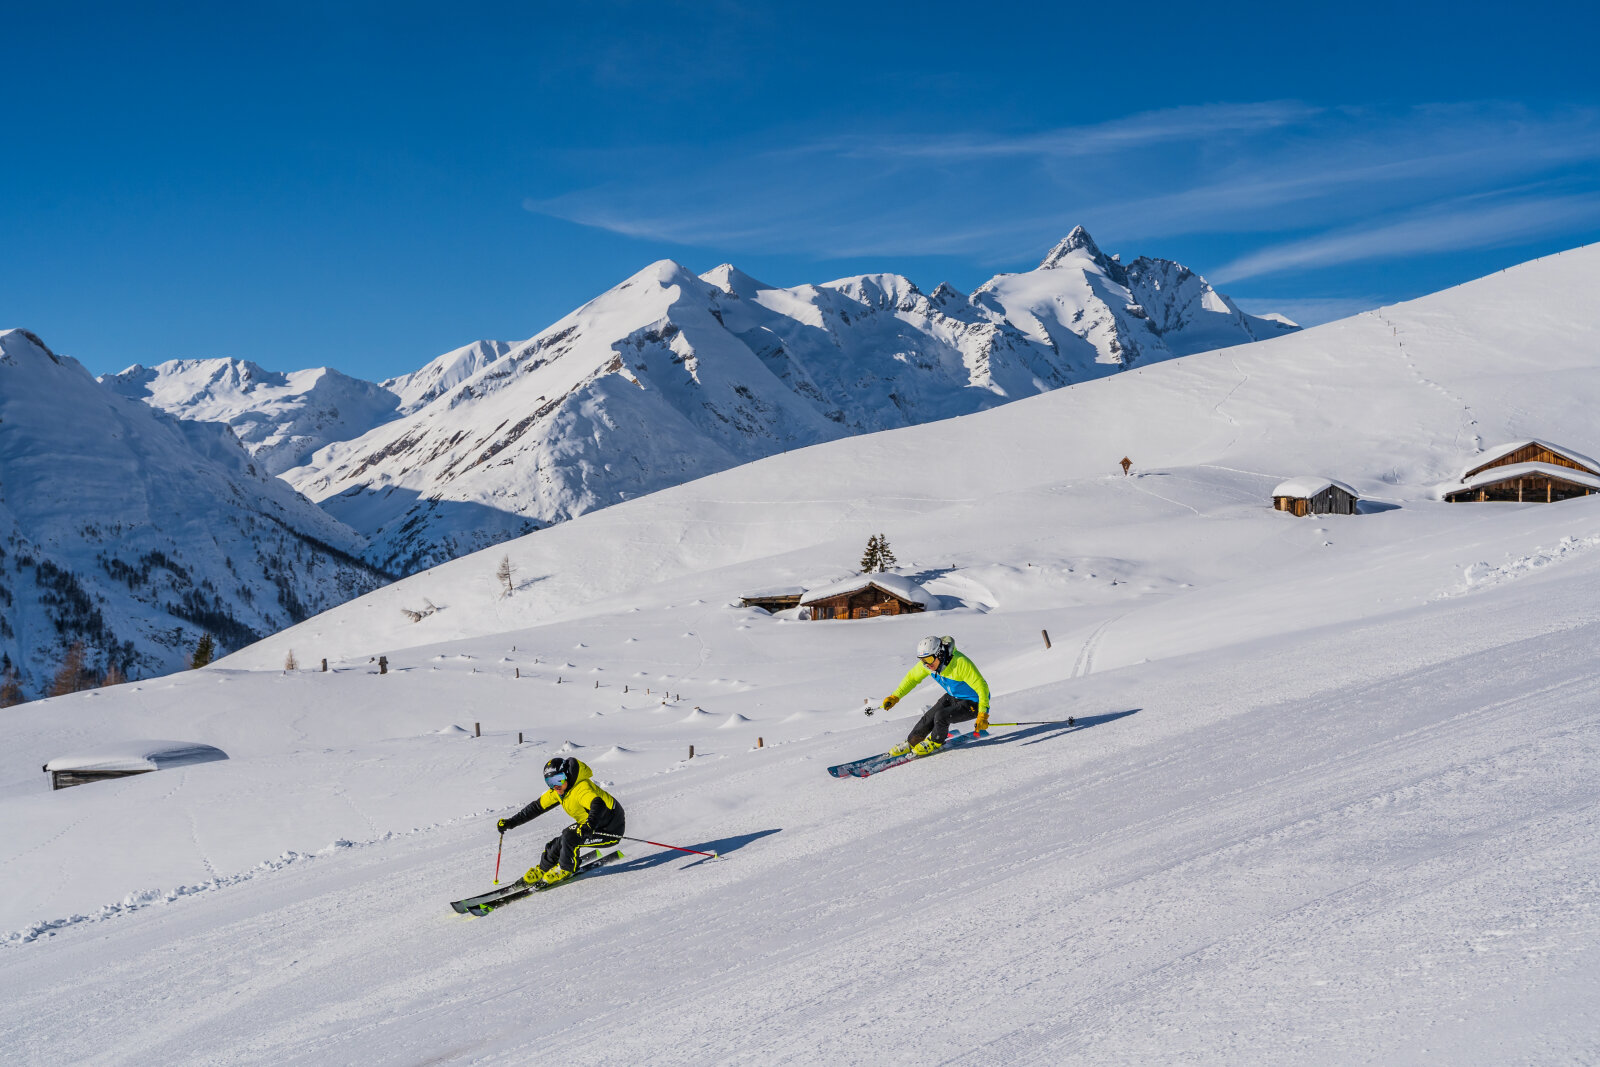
[
  {"x": 1077, "y": 244},
  {"x": 18, "y": 344},
  {"x": 733, "y": 281},
  {"x": 281, "y": 418}
]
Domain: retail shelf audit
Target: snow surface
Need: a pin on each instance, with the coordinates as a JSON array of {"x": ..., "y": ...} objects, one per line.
[{"x": 1393, "y": 857}]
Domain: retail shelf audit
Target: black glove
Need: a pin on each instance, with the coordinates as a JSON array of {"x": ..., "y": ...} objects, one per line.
[{"x": 501, "y": 826}]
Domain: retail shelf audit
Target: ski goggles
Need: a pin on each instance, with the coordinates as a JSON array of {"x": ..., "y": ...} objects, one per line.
[
  {"x": 556, "y": 781},
  {"x": 930, "y": 662}
]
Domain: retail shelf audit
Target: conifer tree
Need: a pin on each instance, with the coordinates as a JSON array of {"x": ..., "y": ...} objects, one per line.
[
  {"x": 204, "y": 651},
  {"x": 885, "y": 554},
  {"x": 878, "y": 557},
  {"x": 504, "y": 574},
  {"x": 870, "y": 557},
  {"x": 113, "y": 676}
]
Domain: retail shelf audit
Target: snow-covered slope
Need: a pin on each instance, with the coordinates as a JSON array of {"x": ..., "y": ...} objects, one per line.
[
  {"x": 135, "y": 532},
  {"x": 281, "y": 418},
  {"x": 1329, "y": 797},
  {"x": 669, "y": 376}
]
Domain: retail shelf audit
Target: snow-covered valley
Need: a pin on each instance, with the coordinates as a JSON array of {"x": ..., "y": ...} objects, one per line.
[{"x": 1329, "y": 797}]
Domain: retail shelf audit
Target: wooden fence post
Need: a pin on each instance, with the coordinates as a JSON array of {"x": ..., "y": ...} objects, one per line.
[
  {"x": 691, "y": 752},
  {"x": 324, "y": 664},
  {"x": 477, "y": 729},
  {"x": 761, "y": 742},
  {"x": 519, "y": 737},
  {"x": 383, "y": 664},
  {"x": 1046, "y": 634}
]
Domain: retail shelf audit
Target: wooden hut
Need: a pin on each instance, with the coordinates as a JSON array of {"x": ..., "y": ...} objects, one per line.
[
  {"x": 1528, "y": 471},
  {"x": 774, "y": 600},
  {"x": 866, "y": 597},
  {"x": 1315, "y": 495},
  {"x": 126, "y": 758}
]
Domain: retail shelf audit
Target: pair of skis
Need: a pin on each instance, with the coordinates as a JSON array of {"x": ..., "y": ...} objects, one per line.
[
  {"x": 484, "y": 903},
  {"x": 871, "y": 765}
]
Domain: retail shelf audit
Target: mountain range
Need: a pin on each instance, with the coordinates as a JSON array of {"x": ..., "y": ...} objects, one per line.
[
  {"x": 175, "y": 524},
  {"x": 135, "y": 532},
  {"x": 670, "y": 376}
]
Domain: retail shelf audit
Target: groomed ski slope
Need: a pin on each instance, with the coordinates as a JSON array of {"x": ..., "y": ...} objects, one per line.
[{"x": 1331, "y": 797}]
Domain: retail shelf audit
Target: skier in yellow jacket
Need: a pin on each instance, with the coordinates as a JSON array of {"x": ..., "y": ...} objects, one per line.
[
  {"x": 599, "y": 819},
  {"x": 966, "y": 695}
]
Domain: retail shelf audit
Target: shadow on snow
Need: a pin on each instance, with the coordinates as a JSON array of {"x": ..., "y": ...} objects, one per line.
[{"x": 721, "y": 846}]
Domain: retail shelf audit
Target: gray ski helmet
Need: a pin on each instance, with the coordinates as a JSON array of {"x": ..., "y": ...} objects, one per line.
[{"x": 936, "y": 646}]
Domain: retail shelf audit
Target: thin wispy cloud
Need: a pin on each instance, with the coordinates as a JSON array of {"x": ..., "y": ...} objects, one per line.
[
  {"x": 1319, "y": 176},
  {"x": 1479, "y": 223},
  {"x": 1168, "y": 126}
]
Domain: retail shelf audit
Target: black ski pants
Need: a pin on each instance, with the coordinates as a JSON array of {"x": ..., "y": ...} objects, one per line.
[
  {"x": 937, "y": 719},
  {"x": 563, "y": 850}
]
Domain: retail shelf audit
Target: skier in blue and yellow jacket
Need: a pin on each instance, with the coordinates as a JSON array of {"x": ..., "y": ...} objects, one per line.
[
  {"x": 966, "y": 695},
  {"x": 598, "y": 818}
]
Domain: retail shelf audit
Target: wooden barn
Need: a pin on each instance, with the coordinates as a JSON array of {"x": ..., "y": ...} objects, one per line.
[
  {"x": 1528, "y": 472},
  {"x": 1315, "y": 495},
  {"x": 866, "y": 597},
  {"x": 127, "y": 758}
]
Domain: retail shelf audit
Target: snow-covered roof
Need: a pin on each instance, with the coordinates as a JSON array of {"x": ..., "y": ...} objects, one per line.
[
  {"x": 894, "y": 584},
  {"x": 774, "y": 591},
  {"x": 1309, "y": 485},
  {"x": 1526, "y": 470},
  {"x": 140, "y": 755},
  {"x": 1506, "y": 449}
]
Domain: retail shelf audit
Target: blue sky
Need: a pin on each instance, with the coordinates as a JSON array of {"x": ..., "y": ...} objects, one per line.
[{"x": 368, "y": 185}]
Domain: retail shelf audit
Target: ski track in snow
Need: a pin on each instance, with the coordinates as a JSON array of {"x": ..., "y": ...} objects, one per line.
[
  {"x": 144, "y": 898},
  {"x": 1481, "y": 575}
]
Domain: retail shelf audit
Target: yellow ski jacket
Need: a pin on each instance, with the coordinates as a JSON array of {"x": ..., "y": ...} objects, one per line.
[
  {"x": 960, "y": 678},
  {"x": 584, "y": 800}
]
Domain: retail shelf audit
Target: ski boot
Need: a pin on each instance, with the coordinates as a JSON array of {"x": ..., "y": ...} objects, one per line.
[
  {"x": 901, "y": 749},
  {"x": 557, "y": 874},
  {"x": 534, "y": 876},
  {"x": 926, "y": 747}
]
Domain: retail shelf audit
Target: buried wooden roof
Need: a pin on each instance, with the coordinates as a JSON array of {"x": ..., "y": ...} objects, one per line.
[
  {"x": 137, "y": 756},
  {"x": 1309, "y": 485},
  {"x": 894, "y": 585},
  {"x": 1532, "y": 451}
]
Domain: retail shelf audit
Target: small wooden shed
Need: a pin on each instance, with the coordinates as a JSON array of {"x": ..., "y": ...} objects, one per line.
[
  {"x": 1315, "y": 495},
  {"x": 126, "y": 758},
  {"x": 774, "y": 600},
  {"x": 1528, "y": 472},
  {"x": 866, "y": 597}
]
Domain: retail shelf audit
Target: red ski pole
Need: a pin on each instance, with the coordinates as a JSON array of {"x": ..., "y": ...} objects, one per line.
[
  {"x": 658, "y": 844},
  {"x": 497, "y": 852}
]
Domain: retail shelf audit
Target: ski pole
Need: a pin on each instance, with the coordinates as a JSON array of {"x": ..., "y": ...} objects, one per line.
[
  {"x": 497, "y": 852},
  {"x": 658, "y": 844}
]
